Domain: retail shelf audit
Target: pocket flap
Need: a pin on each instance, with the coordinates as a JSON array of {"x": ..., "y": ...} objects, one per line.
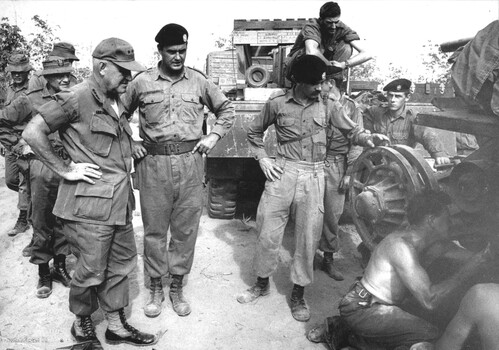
[
  {"x": 99, "y": 189},
  {"x": 285, "y": 121},
  {"x": 153, "y": 98},
  {"x": 101, "y": 126},
  {"x": 190, "y": 98}
]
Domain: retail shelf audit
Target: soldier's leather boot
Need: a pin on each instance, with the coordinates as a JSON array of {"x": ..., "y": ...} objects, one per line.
[
  {"x": 59, "y": 272},
  {"x": 260, "y": 289},
  {"x": 21, "y": 225},
  {"x": 299, "y": 308},
  {"x": 156, "y": 297},
  {"x": 329, "y": 268},
  {"x": 119, "y": 331},
  {"x": 44, "y": 288},
  {"x": 179, "y": 303},
  {"x": 83, "y": 330}
]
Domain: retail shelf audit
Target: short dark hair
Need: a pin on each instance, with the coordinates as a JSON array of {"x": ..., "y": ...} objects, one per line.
[
  {"x": 329, "y": 9},
  {"x": 426, "y": 203}
]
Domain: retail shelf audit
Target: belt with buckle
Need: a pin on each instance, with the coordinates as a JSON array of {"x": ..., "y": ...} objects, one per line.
[
  {"x": 170, "y": 148},
  {"x": 361, "y": 291}
]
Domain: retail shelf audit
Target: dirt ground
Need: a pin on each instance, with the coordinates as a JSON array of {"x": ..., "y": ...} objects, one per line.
[{"x": 222, "y": 269}]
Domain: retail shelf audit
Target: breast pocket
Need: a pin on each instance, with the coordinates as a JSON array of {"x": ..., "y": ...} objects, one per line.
[
  {"x": 399, "y": 138},
  {"x": 94, "y": 202},
  {"x": 285, "y": 121},
  {"x": 101, "y": 138},
  {"x": 152, "y": 107},
  {"x": 192, "y": 108}
]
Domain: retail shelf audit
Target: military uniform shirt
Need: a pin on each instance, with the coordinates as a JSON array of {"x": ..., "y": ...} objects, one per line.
[
  {"x": 327, "y": 42},
  {"x": 338, "y": 144},
  {"x": 174, "y": 111},
  {"x": 15, "y": 116},
  {"x": 92, "y": 132},
  {"x": 14, "y": 92},
  {"x": 300, "y": 130},
  {"x": 402, "y": 130}
]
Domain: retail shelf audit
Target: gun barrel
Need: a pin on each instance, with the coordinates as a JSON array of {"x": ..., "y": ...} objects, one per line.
[{"x": 451, "y": 46}]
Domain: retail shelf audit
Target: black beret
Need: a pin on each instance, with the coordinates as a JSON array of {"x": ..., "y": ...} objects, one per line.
[
  {"x": 172, "y": 34},
  {"x": 309, "y": 69},
  {"x": 330, "y": 9},
  {"x": 398, "y": 85}
]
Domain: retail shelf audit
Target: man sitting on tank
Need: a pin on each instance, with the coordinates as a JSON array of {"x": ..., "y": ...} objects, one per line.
[{"x": 372, "y": 314}]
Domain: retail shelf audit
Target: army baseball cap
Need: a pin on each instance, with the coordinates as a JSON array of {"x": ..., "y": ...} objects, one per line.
[
  {"x": 56, "y": 65},
  {"x": 119, "y": 52},
  {"x": 18, "y": 62},
  {"x": 64, "y": 50}
]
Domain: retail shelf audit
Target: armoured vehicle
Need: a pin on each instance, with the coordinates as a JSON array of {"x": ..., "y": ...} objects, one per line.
[{"x": 386, "y": 177}]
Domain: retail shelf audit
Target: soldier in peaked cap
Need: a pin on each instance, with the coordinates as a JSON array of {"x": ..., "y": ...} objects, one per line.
[
  {"x": 60, "y": 50},
  {"x": 295, "y": 179},
  {"x": 19, "y": 67},
  {"x": 48, "y": 242},
  {"x": 330, "y": 39},
  {"x": 397, "y": 121},
  {"x": 170, "y": 98},
  {"x": 95, "y": 199}
]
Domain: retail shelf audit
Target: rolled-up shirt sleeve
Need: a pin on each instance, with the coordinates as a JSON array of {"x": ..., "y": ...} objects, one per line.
[
  {"x": 61, "y": 111},
  {"x": 219, "y": 105},
  {"x": 257, "y": 129},
  {"x": 339, "y": 119}
]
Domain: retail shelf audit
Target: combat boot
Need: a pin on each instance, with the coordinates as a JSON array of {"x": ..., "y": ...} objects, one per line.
[
  {"x": 260, "y": 289},
  {"x": 119, "y": 331},
  {"x": 156, "y": 297},
  {"x": 299, "y": 308},
  {"x": 83, "y": 330},
  {"x": 59, "y": 272},
  {"x": 329, "y": 268},
  {"x": 179, "y": 304},
  {"x": 44, "y": 288},
  {"x": 21, "y": 225}
]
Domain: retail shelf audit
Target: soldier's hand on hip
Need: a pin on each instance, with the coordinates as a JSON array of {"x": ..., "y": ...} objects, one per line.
[
  {"x": 206, "y": 144},
  {"x": 270, "y": 169},
  {"x": 138, "y": 150},
  {"x": 82, "y": 172}
]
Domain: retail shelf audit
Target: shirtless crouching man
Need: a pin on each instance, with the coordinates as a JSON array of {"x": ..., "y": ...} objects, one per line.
[{"x": 370, "y": 313}]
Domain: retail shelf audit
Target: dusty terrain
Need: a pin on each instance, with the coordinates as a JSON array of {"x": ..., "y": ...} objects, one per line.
[{"x": 222, "y": 268}]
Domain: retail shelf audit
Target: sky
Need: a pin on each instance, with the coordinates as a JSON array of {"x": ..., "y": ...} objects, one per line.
[{"x": 393, "y": 31}]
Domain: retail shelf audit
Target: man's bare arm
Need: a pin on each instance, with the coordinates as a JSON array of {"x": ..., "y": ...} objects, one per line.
[
  {"x": 406, "y": 263},
  {"x": 36, "y": 135}
]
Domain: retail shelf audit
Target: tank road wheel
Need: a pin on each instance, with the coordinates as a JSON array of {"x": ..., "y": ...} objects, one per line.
[
  {"x": 420, "y": 165},
  {"x": 222, "y": 195},
  {"x": 382, "y": 182}
]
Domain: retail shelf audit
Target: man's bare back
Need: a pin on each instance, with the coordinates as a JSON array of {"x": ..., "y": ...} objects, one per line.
[{"x": 479, "y": 309}]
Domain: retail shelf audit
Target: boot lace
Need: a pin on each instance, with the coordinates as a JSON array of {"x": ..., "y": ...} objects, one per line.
[{"x": 88, "y": 327}]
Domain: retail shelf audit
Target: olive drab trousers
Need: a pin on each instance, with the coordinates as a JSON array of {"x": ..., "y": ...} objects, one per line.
[
  {"x": 334, "y": 202},
  {"x": 171, "y": 198},
  {"x": 106, "y": 255},
  {"x": 16, "y": 180},
  {"x": 48, "y": 237},
  {"x": 299, "y": 194}
]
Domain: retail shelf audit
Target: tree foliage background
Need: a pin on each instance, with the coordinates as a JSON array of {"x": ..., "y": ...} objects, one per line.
[{"x": 36, "y": 45}]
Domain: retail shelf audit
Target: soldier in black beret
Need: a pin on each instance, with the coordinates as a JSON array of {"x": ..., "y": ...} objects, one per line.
[
  {"x": 171, "y": 98},
  {"x": 295, "y": 179},
  {"x": 396, "y": 121}
]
